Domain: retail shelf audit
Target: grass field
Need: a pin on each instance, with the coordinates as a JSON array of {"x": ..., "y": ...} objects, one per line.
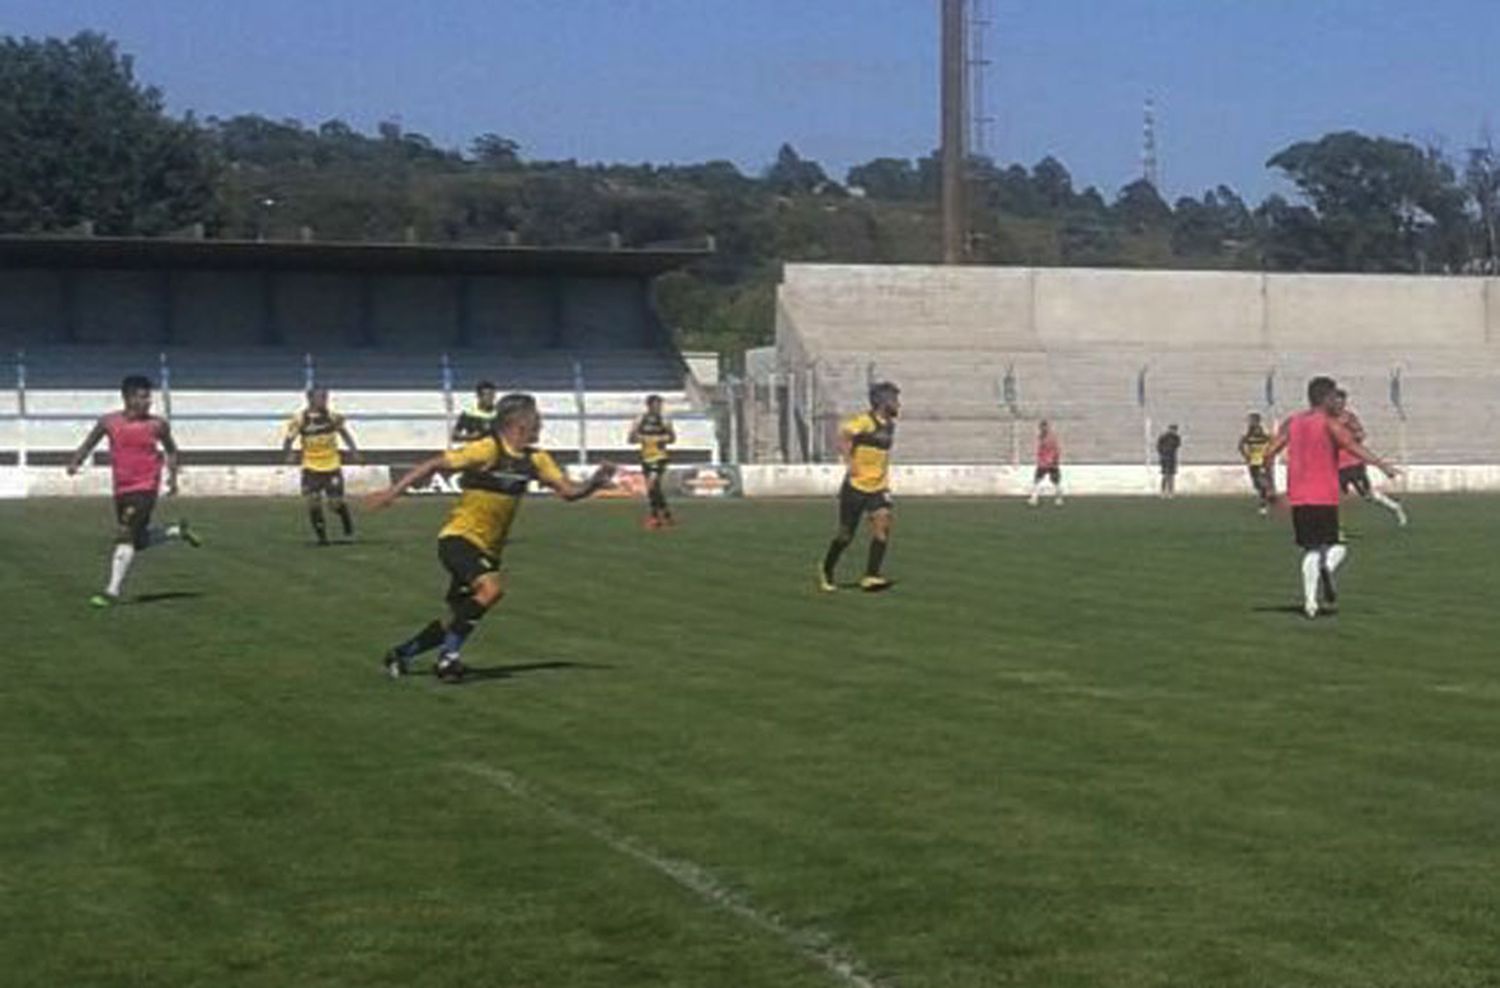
[{"x": 1093, "y": 746}]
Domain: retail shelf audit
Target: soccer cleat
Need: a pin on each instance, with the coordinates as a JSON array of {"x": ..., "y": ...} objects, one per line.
[
  {"x": 1400, "y": 516},
  {"x": 1326, "y": 588},
  {"x": 873, "y": 583},
  {"x": 396, "y": 664},
  {"x": 1310, "y": 609},
  {"x": 1264, "y": 511},
  {"x": 102, "y": 601},
  {"x": 1058, "y": 502},
  {"x": 450, "y": 669},
  {"x": 189, "y": 536},
  {"x": 825, "y": 581}
]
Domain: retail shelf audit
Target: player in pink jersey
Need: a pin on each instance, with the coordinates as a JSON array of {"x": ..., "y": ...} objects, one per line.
[
  {"x": 1352, "y": 473},
  {"x": 1312, "y": 441},
  {"x": 1048, "y": 464},
  {"x": 137, "y": 442}
]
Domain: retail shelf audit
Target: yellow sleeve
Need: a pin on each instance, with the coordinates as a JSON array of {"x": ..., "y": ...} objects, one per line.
[
  {"x": 857, "y": 424},
  {"x": 547, "y": 470},
  {"x": 480, "y": 453}
]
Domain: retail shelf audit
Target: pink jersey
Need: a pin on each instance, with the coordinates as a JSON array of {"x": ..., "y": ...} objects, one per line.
[
  {"x": 134, "y": 455},
  {"x": 1048, "y": 452},
  {"x": 1312, "y": 471},
  {"x": 1357, "y": 430}
]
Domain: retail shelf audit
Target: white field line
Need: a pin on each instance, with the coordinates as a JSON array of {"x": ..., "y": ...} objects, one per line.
[{"x": 813, "y": 946}]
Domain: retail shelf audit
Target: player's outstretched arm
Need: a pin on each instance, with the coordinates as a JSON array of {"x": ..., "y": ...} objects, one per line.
[
  {"x": 417, "y": 474},
  {"x": 1345, "y": 439},
  {"x": 348, "y": 438},
  {"x": 89, "y": 442},
  {"x": 169, "y": 446},
  {"x": 569, "y": 491}
]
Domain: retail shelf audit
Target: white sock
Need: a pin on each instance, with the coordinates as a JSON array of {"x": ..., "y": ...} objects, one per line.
[
  {"x": 119, "y": 565},
  {"x": 1312, "y": 562},
  {"x": 1388, "y": 503},
  {"x": 1334, "y": 557}
]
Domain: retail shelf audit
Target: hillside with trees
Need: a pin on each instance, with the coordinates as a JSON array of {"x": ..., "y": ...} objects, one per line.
[{"x": 87, "y": 142}]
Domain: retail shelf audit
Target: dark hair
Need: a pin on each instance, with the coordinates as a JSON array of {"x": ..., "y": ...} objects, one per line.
[
  {"x": 1319, "y": 388},
  {"x": 484, "y": 386},
  {"x": 512, "y": 407},
  {"x": 653, "y": 399},
  {"x": 882, "y": 392},
  {"x": 316, "y": 389},
  {"x": 134, "y": 382}
]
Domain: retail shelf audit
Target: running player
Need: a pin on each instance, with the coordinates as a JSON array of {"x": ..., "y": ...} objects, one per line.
[
  {"x": 865, "y": 445},
  {"x": 319, "y": 429},
  {"x": 1048, "y": 464},
  {"x": 1352, "y": 472},
  {"x": 1313, "y": 440},
  {"x": 137, "y": 442},
  {"x": 496, "y": 472},
  {"x": 1253, "y": 447},
  {"x": 654, "y": 433},
  {"x": 476, "y": 423}
]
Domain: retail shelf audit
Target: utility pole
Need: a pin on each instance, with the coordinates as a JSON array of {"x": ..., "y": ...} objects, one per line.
[{"x": 954, "y": 124}]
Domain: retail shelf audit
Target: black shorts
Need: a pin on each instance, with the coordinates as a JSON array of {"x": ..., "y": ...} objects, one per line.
[
  {"x": 1316, "y": 525},
  {"x": 133, "y": 514},
  {"x": 1050, "y": 473},
  {"x": 1168, "y": 468},
  {"x": 1355, "y": 478},
  {"x": 654, "y": 471},
  {"x": 855, "y": 503},
  {"x": 465, "y": 563},
  {"x": 328, "y": 483}
]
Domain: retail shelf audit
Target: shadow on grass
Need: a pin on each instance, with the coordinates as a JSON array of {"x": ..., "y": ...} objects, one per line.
[
  {"x": 1292, "y": 609},
  {"x": 165, "y": 595},
  {"x": 478, "y": 674}
]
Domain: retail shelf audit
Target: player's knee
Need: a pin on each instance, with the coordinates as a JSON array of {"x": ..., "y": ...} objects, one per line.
[{"x": 487, "y": 593}]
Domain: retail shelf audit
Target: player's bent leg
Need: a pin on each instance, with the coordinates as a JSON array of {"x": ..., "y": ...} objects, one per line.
[
  {"x": 314, "y": 502},
  {"x": 341, "y": 508},
  {"x": 880, "y": 536},
  {"x": 467, "y": 610}
]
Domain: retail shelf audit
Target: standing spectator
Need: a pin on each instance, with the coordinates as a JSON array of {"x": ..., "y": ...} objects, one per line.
[{"x": 1167, "y": 445}]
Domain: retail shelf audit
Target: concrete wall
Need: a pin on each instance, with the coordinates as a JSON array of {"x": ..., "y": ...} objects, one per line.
[
  {"x": 868, "y": 307},
  {"x": 219, "y": 308}
]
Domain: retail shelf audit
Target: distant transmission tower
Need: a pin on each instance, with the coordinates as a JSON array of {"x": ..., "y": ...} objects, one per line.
[
  {"x": 980, "y": 121},
  {"x": 1150, "y": 170}
]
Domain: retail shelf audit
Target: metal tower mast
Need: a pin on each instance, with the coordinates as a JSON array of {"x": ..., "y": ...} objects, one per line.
[
  {"x": 954, "y": 157},
  {"x": 1150, "y": 171},
  {"x": 980, "y": 121}
]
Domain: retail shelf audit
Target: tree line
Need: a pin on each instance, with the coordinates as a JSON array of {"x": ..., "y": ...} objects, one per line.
[{"x": 87, "y": 142}]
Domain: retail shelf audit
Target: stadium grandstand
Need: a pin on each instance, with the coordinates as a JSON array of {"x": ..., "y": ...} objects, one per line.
[
  {"x": 1114, "y": 355},
  {"x": 235, "y": 331}
]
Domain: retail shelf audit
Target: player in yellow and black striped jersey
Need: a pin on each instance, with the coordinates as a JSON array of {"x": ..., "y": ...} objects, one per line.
[
  {"x": 318, "y": 429},
  {"x": 495, "y": 474},
  {"x": 1255, "y": 446},
  {"x": 478, "y": 421},
  {"x": 865, "y": 443},
  {"x": 654, "y": 433}
]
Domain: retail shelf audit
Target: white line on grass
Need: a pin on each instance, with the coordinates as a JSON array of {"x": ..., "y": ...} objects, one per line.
[{"x": 810, "y": 944}]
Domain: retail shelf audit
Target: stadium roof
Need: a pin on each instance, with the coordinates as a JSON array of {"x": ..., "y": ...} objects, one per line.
[{"x": 382, "y": 258}]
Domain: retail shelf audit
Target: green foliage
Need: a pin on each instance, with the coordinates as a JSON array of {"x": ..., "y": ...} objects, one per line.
[
  {"x": 86, "y": 141},
  {"x": 83, "y": 141}
]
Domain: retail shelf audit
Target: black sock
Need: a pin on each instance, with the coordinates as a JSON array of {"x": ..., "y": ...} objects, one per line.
[
  {"x": 315, "y": 515},
  {"x": 428, "y": 638},
  {"x": 877, "y": 556},
  {"x": 345, "y": 517},
  {"x": 835, "y": 550}
]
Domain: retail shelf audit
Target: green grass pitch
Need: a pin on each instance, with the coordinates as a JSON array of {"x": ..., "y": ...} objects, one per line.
[{"x": 1090, "y": 746}]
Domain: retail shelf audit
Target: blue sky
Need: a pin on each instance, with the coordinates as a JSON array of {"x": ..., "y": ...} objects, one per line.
[{"x": 842, "y": 80}]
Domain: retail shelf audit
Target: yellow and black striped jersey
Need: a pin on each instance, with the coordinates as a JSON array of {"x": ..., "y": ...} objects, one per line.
[
  {"x": 654, "y": 433},
  {"x": 473, "y": 423},
  {"x": 494, "y": 479},
  {"x": 1253, "y": 446},
  {"x": 870, "y": 454},
  {"x": 318, "y": 432}
]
